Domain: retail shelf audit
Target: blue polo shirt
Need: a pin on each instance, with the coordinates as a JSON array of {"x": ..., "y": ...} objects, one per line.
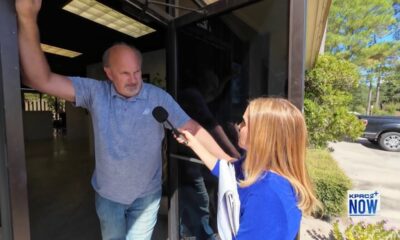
[{"x": 127, "y": 137}]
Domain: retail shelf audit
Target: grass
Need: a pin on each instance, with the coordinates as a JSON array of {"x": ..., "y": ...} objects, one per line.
[
  {"x": 320, "y": 163},
  {"x": 331, "y": 183}
]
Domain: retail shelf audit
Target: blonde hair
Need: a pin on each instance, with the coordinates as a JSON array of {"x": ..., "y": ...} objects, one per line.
[{"x": 276, "y": 140}]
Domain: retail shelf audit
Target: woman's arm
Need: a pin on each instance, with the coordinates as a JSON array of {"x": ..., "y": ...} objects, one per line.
[
  {"x": 205, "y": 139},
  {"x": 209, "y": 159}
]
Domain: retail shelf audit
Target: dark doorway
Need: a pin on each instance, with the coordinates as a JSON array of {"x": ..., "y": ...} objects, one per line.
[{"x": 222, "y": 62}]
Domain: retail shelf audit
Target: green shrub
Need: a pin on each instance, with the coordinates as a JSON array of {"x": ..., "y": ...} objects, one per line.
[
  {"x": 379, "y": 112},
  {"x": 331, "y": 183},
  {"x": 389, "y": 109},
  {"x": 360, "y": 109},
  {"x": 327, "y": 101},
  {"x": 362, "y": 231}
]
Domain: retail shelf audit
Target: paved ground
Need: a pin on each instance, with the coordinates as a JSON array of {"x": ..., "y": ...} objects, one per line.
[
  {"x": 312, "y": 228},
  {"x": 369, "y": 168}
]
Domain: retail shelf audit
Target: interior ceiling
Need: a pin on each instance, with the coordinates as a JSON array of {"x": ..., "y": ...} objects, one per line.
[
  {"x": 66, "y": 30},
  {"x": 254, "y": 15}
]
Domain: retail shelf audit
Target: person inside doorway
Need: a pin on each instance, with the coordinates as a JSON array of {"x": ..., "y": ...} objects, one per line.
[
  {"x": 127, "y": 176},
  {"x": 198, "y": 201}
]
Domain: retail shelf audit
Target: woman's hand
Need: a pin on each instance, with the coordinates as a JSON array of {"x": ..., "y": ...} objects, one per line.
[
  {"x": 189, "y": 140},
  {"x": 186, "y": 138}
]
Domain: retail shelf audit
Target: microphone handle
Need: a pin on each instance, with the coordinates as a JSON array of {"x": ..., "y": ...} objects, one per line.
[{"x": 175, "y": 131}]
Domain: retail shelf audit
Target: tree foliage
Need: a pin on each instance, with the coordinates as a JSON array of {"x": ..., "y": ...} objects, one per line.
[
  {"x": 327, "y": 99},
  {"x": 360, "y": 98},
  {"x": 355, "y": 28},
  {"x": 391, "y": 90},
  {"x": 366, "y": 32}
]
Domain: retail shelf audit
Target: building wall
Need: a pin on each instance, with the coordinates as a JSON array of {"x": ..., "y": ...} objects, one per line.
[{"x": 154, "y": 64}]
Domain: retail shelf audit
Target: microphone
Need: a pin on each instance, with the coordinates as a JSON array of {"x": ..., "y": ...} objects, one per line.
[{"x": 161, "y": 115}]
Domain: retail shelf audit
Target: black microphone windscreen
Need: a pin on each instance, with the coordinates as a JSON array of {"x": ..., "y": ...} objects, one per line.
[{"x": 160, "y": 114}]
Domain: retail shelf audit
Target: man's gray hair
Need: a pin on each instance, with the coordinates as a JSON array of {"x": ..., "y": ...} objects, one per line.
[{"x": 106, "y": 54}]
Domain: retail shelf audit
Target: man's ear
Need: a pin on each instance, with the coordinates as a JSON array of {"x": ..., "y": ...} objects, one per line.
[{"x": 107, "y": 70}]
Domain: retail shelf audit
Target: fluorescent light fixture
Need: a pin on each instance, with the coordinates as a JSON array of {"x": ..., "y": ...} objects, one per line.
[
  {"x": 59, "y": 51},
  {"x": 208, "y": 2},
  {"x": 100, "y": 13}
]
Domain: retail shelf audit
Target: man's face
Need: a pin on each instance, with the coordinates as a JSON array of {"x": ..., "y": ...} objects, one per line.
[{"x": 124, "y": 70}]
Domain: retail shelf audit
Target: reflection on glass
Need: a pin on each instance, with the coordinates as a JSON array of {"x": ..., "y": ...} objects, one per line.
[{"x": 223, "y": 62}]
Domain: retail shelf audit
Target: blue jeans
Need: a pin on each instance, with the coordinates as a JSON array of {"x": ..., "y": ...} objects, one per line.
[
  {"x": 194, "y": 209},
  {"x": 134, "y": 221}
]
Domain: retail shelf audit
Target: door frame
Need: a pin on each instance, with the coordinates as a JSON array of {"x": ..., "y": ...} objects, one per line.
[{"x": 13, "y": 178}]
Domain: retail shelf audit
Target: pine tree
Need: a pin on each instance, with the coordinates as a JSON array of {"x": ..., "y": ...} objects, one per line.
[{"x": 364, "y": 32}]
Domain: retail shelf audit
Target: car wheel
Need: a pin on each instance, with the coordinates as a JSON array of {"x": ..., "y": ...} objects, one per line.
[{"x": 390, "y": 141}]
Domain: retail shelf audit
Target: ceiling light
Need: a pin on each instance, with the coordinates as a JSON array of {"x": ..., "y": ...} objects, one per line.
[
  {"x": 100, "y": 13},
  {"x": 59, "y": 51},
  {"x": 208, "y": 2}
]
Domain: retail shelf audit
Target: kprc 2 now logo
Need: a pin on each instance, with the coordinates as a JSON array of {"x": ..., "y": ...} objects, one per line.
[{"x": 363, "y": 202}]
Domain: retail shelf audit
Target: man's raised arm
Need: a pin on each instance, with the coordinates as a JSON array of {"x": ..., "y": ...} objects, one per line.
[{"x": 36, "y": 72}]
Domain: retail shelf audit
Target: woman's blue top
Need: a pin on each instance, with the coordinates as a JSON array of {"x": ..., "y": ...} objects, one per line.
[{"x": 268, "y": 207}]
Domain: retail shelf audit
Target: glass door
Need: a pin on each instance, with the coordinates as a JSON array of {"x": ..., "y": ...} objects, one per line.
[{"x": 223, "y": 61}]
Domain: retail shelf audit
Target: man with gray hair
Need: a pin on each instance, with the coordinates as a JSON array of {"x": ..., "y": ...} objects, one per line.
[{"x": 127, "y": 176}]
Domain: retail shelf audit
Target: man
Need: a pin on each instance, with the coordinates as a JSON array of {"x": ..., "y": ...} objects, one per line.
[{"x": 127, "y": 177}]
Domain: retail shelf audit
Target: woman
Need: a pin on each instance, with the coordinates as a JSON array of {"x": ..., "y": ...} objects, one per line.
[{"x": 274, "y": 187}]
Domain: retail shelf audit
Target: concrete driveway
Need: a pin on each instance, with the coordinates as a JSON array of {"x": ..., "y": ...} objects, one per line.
[{"x": 371, "y": 168}]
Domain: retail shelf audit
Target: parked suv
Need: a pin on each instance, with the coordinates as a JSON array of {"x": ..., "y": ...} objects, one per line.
[{"x": 382, "y": 130}]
